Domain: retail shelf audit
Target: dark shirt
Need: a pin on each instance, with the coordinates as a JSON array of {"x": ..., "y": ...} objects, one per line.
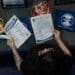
[{"x": 60, "y": 66}]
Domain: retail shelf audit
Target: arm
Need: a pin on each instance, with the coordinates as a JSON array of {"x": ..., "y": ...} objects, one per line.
[
  {"x": 60, "y": 43},
  {"x": 18, "y": 59}
]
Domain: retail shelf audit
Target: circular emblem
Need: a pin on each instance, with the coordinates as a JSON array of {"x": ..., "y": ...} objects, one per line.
[{"x": 67, "y": 20}]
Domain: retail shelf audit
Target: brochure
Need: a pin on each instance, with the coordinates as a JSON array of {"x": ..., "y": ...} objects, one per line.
[
  {"x": 42, "y": 26},
  {"x": 15, "y": 29}
]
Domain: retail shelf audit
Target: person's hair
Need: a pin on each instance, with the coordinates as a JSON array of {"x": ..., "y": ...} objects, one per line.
[
  {"x": 42, "y": 46},
  {"x": 47, "y": 56},
  {"x": 45, "y": 60}
]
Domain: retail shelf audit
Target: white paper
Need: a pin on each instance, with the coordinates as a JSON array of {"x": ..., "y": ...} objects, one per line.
[
  {"x": 17, "y": 31},
  {"x": 42, "y": 27}
]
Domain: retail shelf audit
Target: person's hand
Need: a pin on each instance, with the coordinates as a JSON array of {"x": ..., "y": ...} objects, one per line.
[
  {"x": 17, "y": 57},
  {"x": 11, "y": 43},
  {"x": 56, "y": 34}
]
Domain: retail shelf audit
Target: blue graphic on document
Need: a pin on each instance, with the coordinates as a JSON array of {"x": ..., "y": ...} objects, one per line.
[{"x": 67, "y": 19}]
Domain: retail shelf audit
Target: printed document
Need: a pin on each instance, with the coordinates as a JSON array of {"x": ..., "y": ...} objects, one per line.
[
  {"x": 15, "y": 29},
  {"x": 42, "y": 26}
]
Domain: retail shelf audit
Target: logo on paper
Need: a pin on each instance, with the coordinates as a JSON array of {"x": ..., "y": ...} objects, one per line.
[{"x": 67, "y": 20}]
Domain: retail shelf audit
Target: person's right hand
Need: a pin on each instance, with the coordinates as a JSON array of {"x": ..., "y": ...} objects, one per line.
[
  {"x": 56, "y": 34},
  {"x": 11, "y": 43}
]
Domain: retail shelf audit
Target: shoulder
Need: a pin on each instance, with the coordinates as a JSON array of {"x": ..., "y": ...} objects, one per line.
[{"x": 27, "y": 69}]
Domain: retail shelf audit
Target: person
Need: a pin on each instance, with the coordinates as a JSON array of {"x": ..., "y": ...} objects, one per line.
[{"x": 44, "y": 59}]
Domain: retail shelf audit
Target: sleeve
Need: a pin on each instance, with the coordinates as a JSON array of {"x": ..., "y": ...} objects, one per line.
[
  {"x": 26, "y": 68},
  {"x": 65, "y": 64},
  {"x": 67, "y": 58},
  {"x": 63, "y": 57}
]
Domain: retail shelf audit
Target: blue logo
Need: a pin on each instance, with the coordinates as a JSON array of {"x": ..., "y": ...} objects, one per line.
[{"x": 67, "y": 19}]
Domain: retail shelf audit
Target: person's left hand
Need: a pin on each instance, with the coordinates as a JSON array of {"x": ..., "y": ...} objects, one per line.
[{"x": 11, "y": 43}]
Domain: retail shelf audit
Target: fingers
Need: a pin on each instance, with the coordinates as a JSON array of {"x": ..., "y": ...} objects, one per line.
[
  {"x": 56, "y": 34},
  {"x": 55, "y": 31}
]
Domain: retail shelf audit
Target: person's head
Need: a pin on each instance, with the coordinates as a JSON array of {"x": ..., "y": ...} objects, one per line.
[
  {"x": 45, "y": 52},
  {"x": 43, "y": 58}
]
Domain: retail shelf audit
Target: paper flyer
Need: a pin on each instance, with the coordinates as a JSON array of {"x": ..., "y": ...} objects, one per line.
[
  {"x": 42, "y": 26},
  {"x": 15, "y": 29}
]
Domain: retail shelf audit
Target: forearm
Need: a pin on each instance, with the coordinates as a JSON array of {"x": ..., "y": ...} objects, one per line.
[
  {"x": 17, "y": 57},
  {"x": 63, "y": 47}
]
